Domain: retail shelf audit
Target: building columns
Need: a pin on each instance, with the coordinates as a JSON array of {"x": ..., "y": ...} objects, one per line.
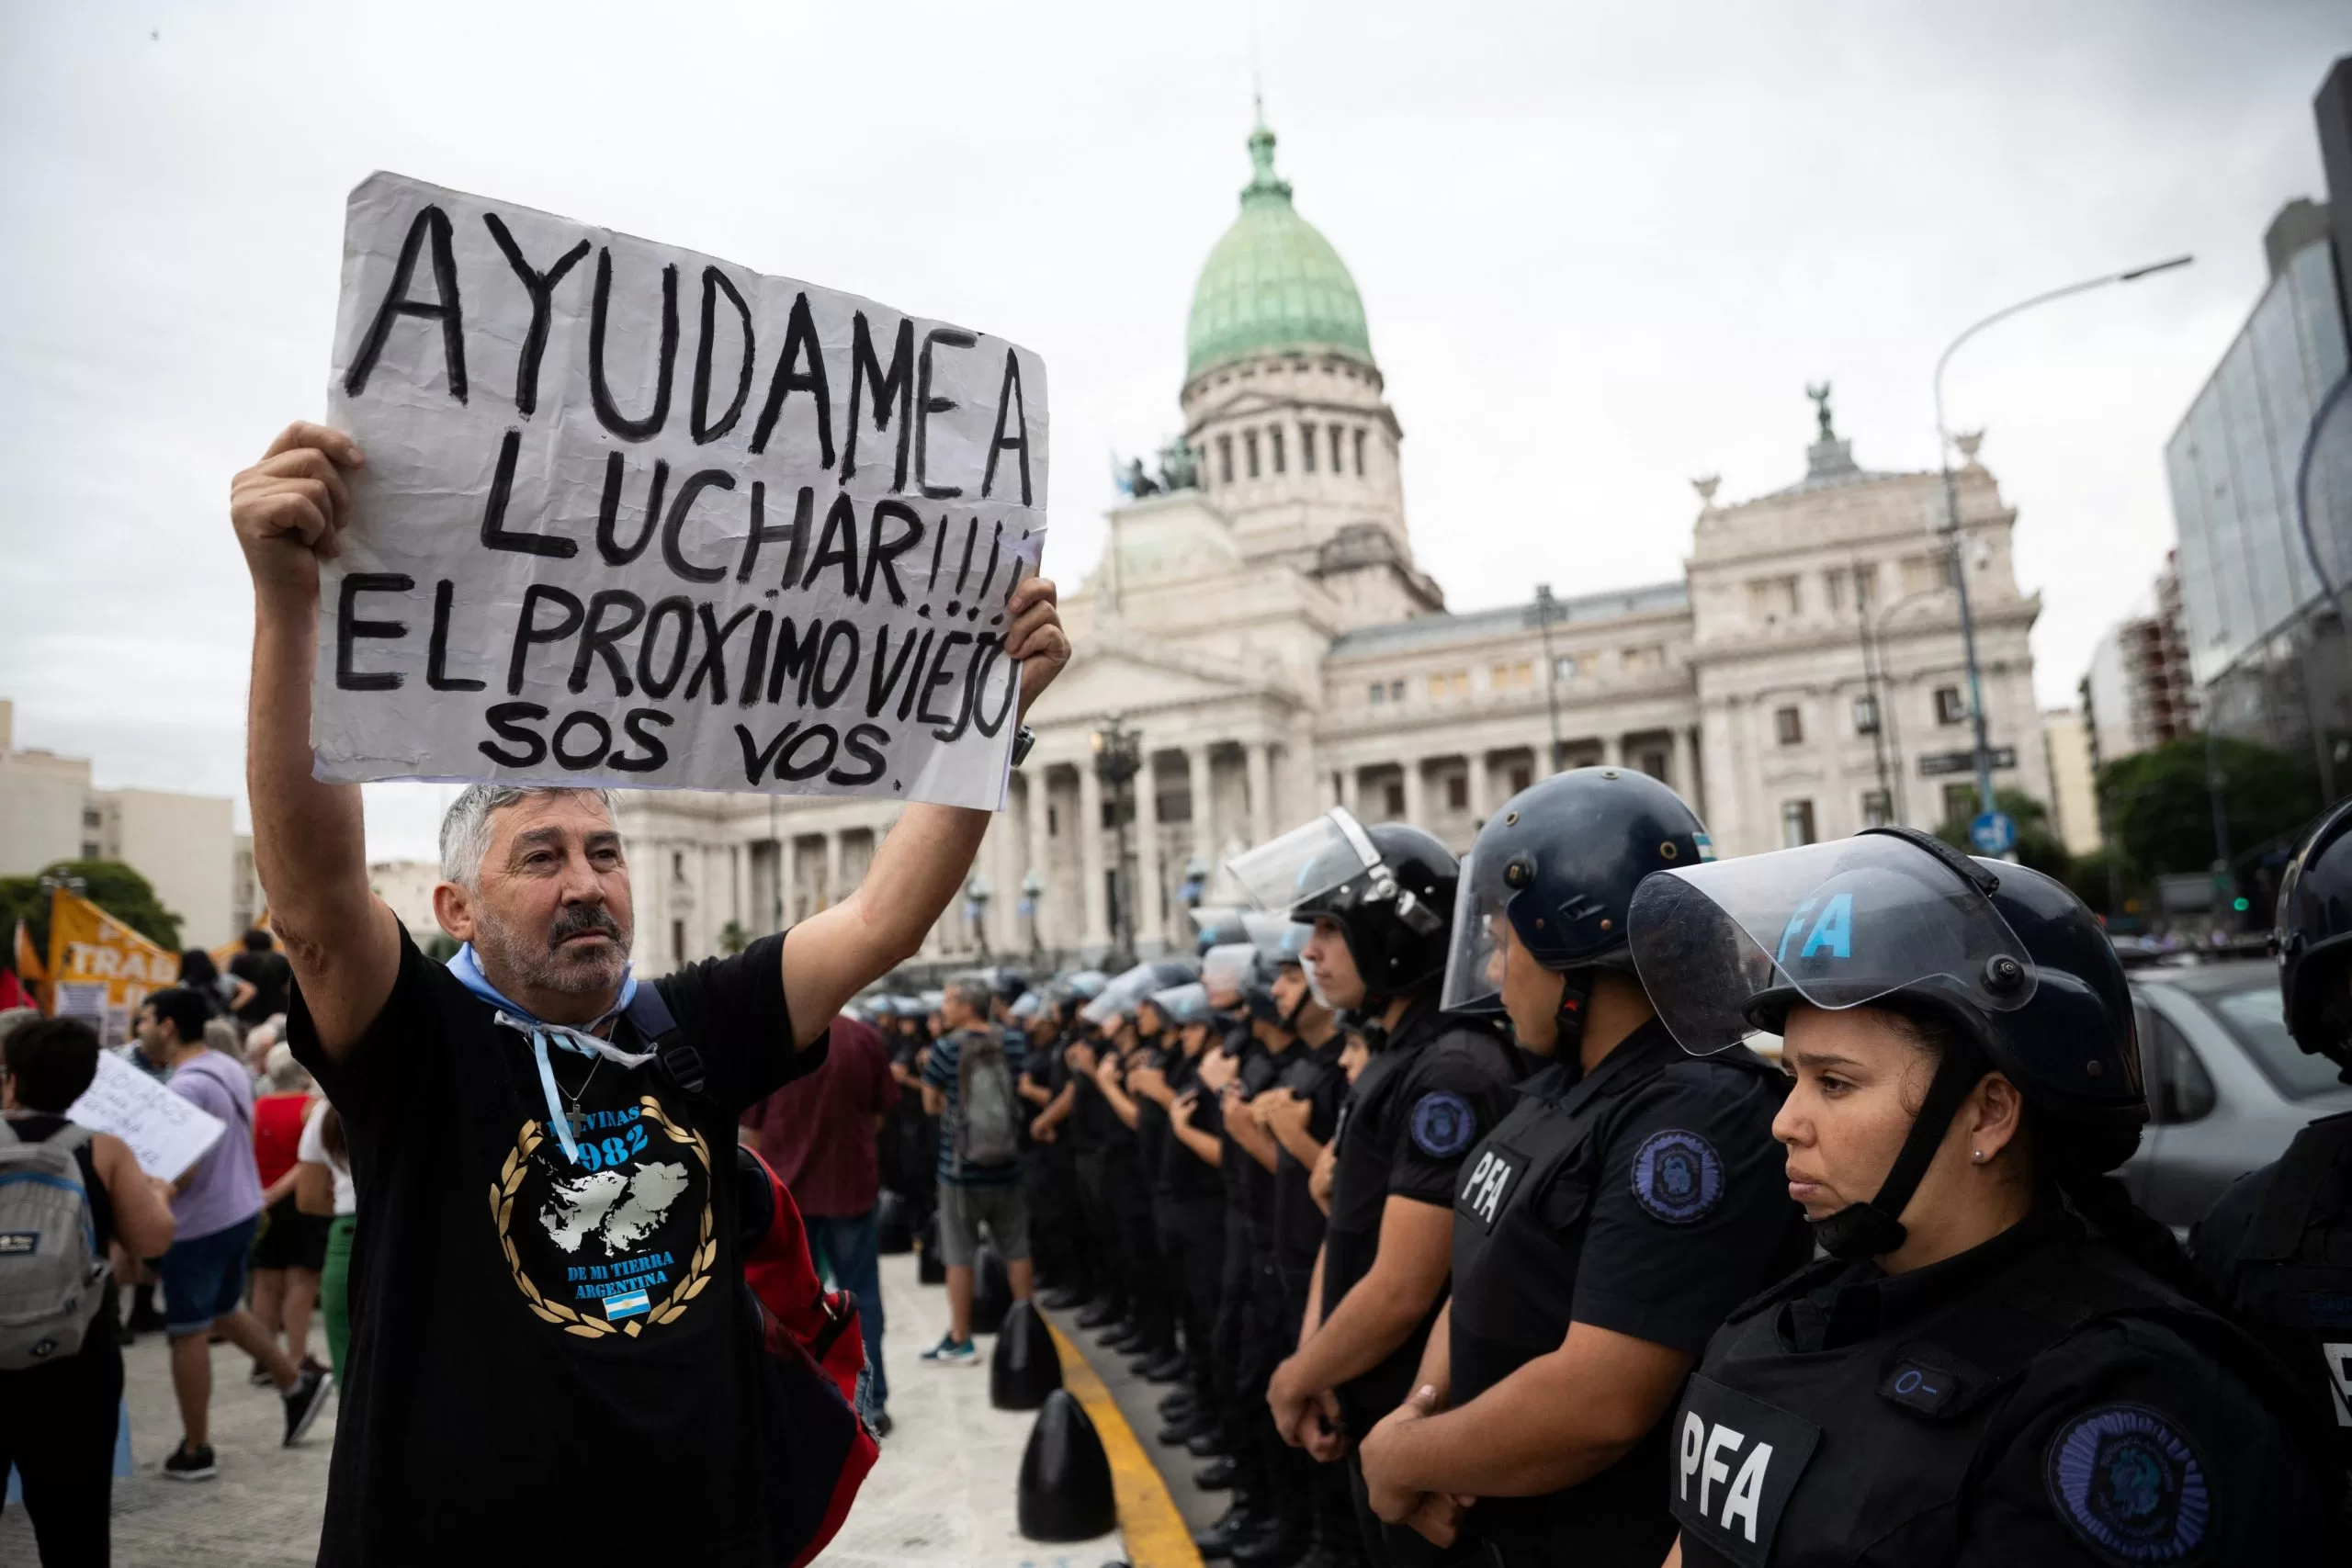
[
  {"x": 1261, "y": 776},
  {"x": 1092, "y": 896},
  {"x": 1477, "y": 763},
  {"x": 1678, "y": 764},
  {"x": 1196, "y": 770},
  {"x": 1612, "y": 750},
  {"x": 1151, "y": 894},
  {"x": 1417, "y": 791},
  {"x": 1351, "y": 792},
  {"x": 834, "y": 889}
]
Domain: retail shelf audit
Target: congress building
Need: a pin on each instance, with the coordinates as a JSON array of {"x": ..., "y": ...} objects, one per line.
[{"x": 1258, "y": 644}]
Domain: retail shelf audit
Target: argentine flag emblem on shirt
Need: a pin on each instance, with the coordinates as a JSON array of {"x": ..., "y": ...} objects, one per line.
[{"x": 630, "y": 1305}]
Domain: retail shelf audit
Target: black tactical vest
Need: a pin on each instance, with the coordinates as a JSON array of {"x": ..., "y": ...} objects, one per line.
[
  {"x": 2294, "y": 1274},
  {"x": 1863, "y": 1453},
  {"x": 1515, "y": 1261}
]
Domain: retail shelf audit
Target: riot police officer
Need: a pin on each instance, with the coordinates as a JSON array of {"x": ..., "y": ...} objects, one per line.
[
  {"x": 1628, "y": 1200},
  {"x": 1997, "y": 1362},
  {"x": 1380, "y": 900},
  {"x": 2277, "y": 1247}
]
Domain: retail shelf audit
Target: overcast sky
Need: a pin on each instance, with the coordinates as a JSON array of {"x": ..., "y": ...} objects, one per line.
[{"x": 1603, "y": 249}]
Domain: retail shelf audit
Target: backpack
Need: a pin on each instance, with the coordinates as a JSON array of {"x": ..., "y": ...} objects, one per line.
[
  {"x": 815, "y": 1446},
  {"x": 987, "y": 1110},
  {"x": 52, "y": 1271}
]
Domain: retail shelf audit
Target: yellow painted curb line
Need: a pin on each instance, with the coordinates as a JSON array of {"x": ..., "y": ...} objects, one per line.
[{"x": 1154, "y": 1531}]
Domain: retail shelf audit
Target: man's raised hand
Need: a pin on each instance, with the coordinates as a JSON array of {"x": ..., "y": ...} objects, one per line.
[
  {"x": 1035, "y": 637},
  {"x": 290, "y": 508}
]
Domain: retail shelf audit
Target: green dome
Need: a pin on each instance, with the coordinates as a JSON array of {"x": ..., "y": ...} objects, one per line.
[{"x": 1273, "y": 282}]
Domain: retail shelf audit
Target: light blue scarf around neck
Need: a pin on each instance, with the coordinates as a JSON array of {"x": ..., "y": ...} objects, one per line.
[{"x": 512, "y": 1014}]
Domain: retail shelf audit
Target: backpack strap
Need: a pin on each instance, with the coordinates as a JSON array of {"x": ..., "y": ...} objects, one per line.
[
  {"x": 70, "y": 1137},
  {"x": 650, "y": 1014}
]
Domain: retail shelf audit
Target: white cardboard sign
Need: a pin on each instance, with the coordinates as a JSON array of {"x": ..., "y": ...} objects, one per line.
[
  {"x": 166, "y": 1132},
  {"x": 635, "y": 516}
]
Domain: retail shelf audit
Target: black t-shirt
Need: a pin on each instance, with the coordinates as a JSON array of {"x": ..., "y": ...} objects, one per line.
[
  {"x": 548, "y": 1358},
  {"x": 1417, "y": 1108},
  {"x": 1185, "y": 1175},
  {"x": 1096, "y": 1126},
  {"x": 1314, "y": 1075},
  {"x": 269, "y": 975}
]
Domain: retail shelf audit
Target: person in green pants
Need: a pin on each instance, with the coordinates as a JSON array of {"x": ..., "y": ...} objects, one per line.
[{"x": 324, "y": 1188}]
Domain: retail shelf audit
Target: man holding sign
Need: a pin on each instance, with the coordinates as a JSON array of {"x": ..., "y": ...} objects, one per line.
[{"x": 552, "y": 1350}]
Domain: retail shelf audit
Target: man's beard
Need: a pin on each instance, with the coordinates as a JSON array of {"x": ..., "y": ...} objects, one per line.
[{"x": 514, "y": 959}]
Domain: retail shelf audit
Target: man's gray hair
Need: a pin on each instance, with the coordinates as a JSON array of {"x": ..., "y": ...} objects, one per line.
[
  {"x": 464, "y": 830},
  {"x": 972, "y": 991}
]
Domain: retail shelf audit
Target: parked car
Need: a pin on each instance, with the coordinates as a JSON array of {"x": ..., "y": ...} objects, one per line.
[{"x": 2227, "y": 1087}]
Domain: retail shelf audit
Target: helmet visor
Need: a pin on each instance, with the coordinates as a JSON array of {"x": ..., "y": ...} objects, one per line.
[
  {"x": 1475, "y": 959},
  {"x": 1305, "y": 862},
  {"x": 1119, "y": 997},
  {"x": 1724, "y": 948},
  {"x": 1183, "y": 1004},
  {"x": 1225, "y": 970}
]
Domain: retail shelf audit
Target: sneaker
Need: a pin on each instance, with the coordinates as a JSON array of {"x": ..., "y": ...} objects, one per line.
[
  {"x": 303, "y": 1402},
  {"x": 190, "y": 1464},
  {"x": 952, "y": 1352},
  {"x": 881, "y": 1422},
  {"x": 259, "y": 1377}
]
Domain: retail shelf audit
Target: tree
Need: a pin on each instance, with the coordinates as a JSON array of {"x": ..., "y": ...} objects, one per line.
[
  {"x": 2161, "y": 812},
  {"x": 732, "y": 938},
  {"x": 2037, "y": 847},
  {"x": 110, "y": 885}
]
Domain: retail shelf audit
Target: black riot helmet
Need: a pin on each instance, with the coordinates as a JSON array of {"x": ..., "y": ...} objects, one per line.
[
  {"x": 2011, "y": 964},
  {"x": 2314, "y": 941},
  {"x": 1389, "y": 887},
  {"x": 1559, "y": 863}
]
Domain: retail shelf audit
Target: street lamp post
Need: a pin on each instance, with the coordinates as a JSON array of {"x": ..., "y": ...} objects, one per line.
[
  {"x": 1544, "y": 612},
  {"x": 1118, "y": 758},
  {"x": 1984, "y": 756},
  {"x": 976, "y": 893},
  {"x": 1033, "y": 889}
]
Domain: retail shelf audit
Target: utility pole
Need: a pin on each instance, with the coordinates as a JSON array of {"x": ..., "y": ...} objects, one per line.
[
  {"x": 1543, "y": 611},
  {"x": 1951, "y": 530}
]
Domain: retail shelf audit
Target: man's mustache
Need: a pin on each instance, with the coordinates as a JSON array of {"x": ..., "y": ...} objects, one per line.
[{"x": 577, "y": 919}]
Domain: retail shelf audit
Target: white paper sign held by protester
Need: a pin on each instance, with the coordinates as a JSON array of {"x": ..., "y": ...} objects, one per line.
[
  {"x": 166, "y": 1134},
  {"x": 634, "y": 517}
]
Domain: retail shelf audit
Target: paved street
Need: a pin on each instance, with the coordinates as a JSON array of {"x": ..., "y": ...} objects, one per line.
[{"x": 943, "y": 1492}]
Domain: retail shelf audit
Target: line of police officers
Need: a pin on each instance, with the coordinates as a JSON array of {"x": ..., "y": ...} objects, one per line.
[{"x": 1474, "y": 1231}]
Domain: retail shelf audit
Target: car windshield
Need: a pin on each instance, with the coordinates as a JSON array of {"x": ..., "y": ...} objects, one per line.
[{"x": 2255, "y": 1015}]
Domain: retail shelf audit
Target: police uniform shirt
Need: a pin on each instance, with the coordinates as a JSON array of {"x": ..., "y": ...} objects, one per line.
[
  {"x": 1647, "y": 1197},
  {"x": 1315, "y": 1076},
  {"x": 2038, "y": 1399},
  {"x": 1096, "y": 1126},
  {"x": 1185, "y": 1175},
  {"x": 1420, "y": 1105},
  {"x": 2276, "y": 1249}
]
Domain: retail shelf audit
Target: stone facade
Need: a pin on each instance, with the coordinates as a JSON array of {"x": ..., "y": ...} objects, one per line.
[{"x": 1260, "y": 622}]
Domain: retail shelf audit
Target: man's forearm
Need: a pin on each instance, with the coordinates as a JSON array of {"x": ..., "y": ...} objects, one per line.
[
  {"x": 833, "y": 956},
  {"x": 1300, "y": 1143},
  {"x": 310, "y": 839},
  {"x": 1252, "y": 1138},
  {"x": 1357, "y": 1335}
]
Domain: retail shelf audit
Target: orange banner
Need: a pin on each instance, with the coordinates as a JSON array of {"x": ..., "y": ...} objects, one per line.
[
  {"x": 99, "y": 969},
  {"x": 236, "y": 944}
]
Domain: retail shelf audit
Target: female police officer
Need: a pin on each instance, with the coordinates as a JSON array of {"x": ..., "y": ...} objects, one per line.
[
  {"x": 1997, "y": 1362},
  {"x": 1628, "y": 1202}
]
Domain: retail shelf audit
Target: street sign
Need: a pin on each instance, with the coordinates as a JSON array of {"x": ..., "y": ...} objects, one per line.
[
  {"x": 1938, "y": 762},
  {"x": 1992, "y": 833}
]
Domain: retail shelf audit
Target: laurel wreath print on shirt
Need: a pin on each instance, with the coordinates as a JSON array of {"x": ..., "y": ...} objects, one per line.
[{"x": 690, "y": 1285}]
